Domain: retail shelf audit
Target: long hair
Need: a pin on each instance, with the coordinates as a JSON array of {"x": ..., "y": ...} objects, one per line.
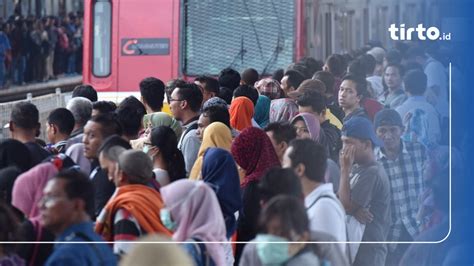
[{"x": 164, "y": 138}]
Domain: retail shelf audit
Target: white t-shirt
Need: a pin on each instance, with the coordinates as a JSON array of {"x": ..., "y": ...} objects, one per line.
[{"x": 326, "y": 213}]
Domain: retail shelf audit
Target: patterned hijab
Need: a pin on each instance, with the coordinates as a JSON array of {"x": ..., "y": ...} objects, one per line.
[
  {"x": 269, "y": 87},
  {"x": 162, "y": 119},
  {"x": 254, "y": 152}
]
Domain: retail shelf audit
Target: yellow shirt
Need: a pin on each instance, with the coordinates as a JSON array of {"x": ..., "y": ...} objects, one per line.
[{"x": 333, "y": 119}]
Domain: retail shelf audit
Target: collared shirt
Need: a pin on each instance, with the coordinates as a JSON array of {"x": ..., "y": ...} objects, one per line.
[
  {"x": 84, "y": 254},
  {"x": 357, "y": 112},
  {"x": 419, "y": 102},
  {"x": 405, "y": 176}
]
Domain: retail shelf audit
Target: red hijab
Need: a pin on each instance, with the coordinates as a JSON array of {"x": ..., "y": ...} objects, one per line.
[{"x": 254, "y": 152}]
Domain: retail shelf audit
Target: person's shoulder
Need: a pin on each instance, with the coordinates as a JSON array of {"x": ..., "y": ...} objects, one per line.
[{"x": 66, "y": 254}]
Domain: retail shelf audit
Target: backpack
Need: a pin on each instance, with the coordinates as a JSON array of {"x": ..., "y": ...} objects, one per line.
[{"x": 63, "y": 41}]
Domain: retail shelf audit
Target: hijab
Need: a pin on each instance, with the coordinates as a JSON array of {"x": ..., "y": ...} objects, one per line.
[
  {"x": 241, "y": 113},
  {"x": 218, "y": 135},
  {"x": 311, "y": 123},
  {"x": 195, "y": 210},
  {"x": 254, "y": 152},
  {"x": 28, "y": 187},
  {"x": 219, "y": 170},
  {"x": 262, "y": 111},
  {"x": 283, "y": 109},
  {"x": 162, "y": 119}
]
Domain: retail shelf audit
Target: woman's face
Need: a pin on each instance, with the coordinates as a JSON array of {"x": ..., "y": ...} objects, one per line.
[
  {"x": 302, "y": 131},
  {"x": 274, "y": 228}
]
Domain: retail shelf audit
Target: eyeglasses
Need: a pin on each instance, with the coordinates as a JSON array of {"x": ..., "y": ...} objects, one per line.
[{"x": 174, "y": 100}]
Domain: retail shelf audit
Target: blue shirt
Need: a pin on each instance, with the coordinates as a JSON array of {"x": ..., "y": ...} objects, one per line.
[{"x": 72, "y": 254}]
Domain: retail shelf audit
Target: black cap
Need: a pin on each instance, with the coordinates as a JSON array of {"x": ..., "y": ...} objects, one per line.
[{"x": 387, "y": 117}]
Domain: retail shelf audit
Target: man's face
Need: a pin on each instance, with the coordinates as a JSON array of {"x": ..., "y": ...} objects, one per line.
[
  {"x": 176, "y": 104},
  {"x": 203, "y": 122},
  {"x": 57, "y": 211},
  {"x": 359, "y": 146},
  {"x": 280, "y": 148},
  {"x": 108, "y": 166},
  {"x": 348, "y": 98},
  {"x": 390, "y": 135},
  {"x": 92, "y": 139},
  {"x": 392, "y": 77},
  {"x": 284, "y": 85},
  {"x": 50, "y": 132}
]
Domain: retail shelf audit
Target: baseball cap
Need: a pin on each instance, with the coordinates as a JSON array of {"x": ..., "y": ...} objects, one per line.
[
  {"x": 387, "y": 117},
  {"x": 361, "y": 128}
]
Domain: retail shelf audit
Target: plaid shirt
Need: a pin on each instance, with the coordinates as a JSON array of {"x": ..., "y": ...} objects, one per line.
[{"x": 406, "y": 183}]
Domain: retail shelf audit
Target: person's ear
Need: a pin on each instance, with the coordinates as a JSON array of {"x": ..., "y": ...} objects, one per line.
[
  {"x": 11, "y": 126},
  {"x": 79, "y": 205},
  {"x": 300, "y": 170},
  {"x": 282, "y": 146}
]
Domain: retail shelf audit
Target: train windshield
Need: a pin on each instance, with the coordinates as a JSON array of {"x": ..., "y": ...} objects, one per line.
[{"x": 238, "y": 34}]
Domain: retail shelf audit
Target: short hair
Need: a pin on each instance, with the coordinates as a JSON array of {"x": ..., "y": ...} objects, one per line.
[
  {"x": 300, "y": 68},
  {"x": 282, "y": 131},
  {"x": 171, "y": 85},
  {"x": 250, "y": 76},
  {"x": 312, "y": 65},
  {"x": 63, "y": 119},
  {"x": 130, "y": 114},
  {"x": 280, "y": 181},
  {"x": 226, "y": 94},
  {"x": 229, "y": 78},
  {"x": 312, "y": 155},
  {"x": 210, "y": 84},
  {"x": 369, "y": 63},
  {"x": 415, "y": 82},
  {"x": 130, "y": 120},
  {"x": 327, "y": 78},
  {"x": 104, "y": 106},
  {"x": 312, "y": 85},
  {"x": 291, "y": 213},
  {"x": 247, "y": 91},
  {"x": 191, "y": 93},
  {"x": 217, "y": 113},
  {"x": 278, "y": 74},
  {"x": 357, "y": 68},
  {"x": 25, "y": 115},
  {"x": 86, "y": 91},
  {"x": 137, "y": 166},
  {"x": 153, "y": 92},
  {"x": 81, "y": 109},
  {"x": 393, "y": 56},
  {"x": 314, "y": 99},
  {"x": 294, "y": 78},
  {"x": 336, "y": 64},
  {"x": 361, "y": 83},
  {"x": 78, "y": 186},
  {"x": 109, "y": 124},
  {"x": 113, "y": 141}
]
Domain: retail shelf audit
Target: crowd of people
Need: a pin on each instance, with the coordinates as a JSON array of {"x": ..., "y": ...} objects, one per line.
[
  {"x": 351, "y": 149},
  {"x": 39, "y": 49}
]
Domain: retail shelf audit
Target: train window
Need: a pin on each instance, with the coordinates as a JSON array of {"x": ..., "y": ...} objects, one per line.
[
  {"x": 102, "y": 38},
  {"x": 238, "y": 34}
]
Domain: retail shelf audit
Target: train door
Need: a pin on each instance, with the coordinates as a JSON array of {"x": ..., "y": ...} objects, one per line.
[{"x": 147, "y": 40}]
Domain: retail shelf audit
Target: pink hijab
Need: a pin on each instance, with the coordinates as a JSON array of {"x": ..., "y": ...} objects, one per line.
[
  {"x": 195, "y": 209},
  {"x": 28, "y": 188},
  {"x": 312, "y": 124}
]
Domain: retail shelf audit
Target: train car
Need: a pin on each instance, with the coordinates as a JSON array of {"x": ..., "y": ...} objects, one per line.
[{"x": 127, "y": 40}]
